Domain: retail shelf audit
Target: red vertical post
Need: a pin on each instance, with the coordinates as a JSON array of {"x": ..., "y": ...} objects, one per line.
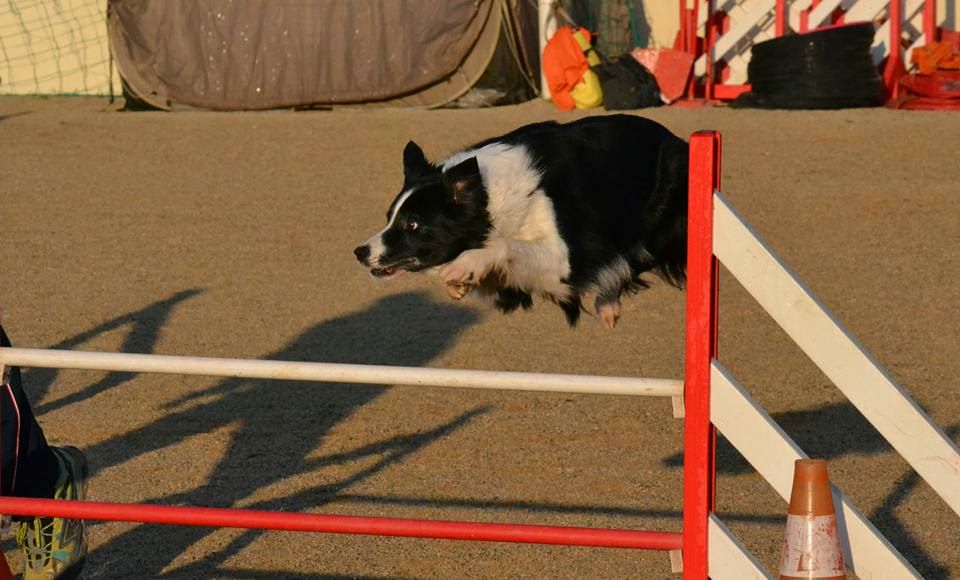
[
  {"x": 691, "y": 16},
  {"x": 894, "y": 68},
  {"x": 5, "y": 573},
  {"x": 699, "y": 435},
  {"x": 930, "y": 21},
  {"x": 805, "y": 15},
  {"x": 682, "y": 34},
  {"x": 781, "y": 18},
  {"x": 710, "y": 38}
]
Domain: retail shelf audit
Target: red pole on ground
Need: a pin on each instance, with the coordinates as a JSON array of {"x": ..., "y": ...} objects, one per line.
[
  {"x": 699, "y": 437},
  {"x": 781, "y": 26},
  {"x": 336, "y": 524}
]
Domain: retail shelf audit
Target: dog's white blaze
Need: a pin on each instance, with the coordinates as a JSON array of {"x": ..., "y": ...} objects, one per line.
[
  {"x": 524, "y": 241},
  {"x": 376, "y": 240}
]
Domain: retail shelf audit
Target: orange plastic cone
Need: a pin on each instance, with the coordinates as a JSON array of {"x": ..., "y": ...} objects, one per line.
[{"x": 811, "y": 545}]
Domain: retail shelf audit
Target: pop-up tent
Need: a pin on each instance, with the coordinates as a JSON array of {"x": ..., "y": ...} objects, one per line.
[{"x": 264, "y": 54}]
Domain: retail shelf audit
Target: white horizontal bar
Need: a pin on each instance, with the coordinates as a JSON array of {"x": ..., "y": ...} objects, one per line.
[
  {"x": 340, "y": 373},
  {"x": 838, "y": 354},
  {"x": 772, "y": 453},
  {"x": 728, "y": 559}
]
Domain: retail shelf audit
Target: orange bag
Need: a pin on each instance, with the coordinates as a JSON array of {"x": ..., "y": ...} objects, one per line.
[{"x": 566, "y": 64}]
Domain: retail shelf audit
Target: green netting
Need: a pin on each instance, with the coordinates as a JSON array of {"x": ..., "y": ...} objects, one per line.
[
  {"x": 619, "y": 24},
  {"x": 54, "y": 47}
]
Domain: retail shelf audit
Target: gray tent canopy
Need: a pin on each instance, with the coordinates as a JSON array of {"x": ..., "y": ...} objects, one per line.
[{"x": 266, "y": 54}]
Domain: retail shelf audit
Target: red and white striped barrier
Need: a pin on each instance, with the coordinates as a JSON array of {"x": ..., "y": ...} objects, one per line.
[{"x": 728, "y": 29}]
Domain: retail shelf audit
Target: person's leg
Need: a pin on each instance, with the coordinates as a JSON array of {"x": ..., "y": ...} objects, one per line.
[
  {"x": 52, "y": 547},
  {"x": 30, "y": 467}
]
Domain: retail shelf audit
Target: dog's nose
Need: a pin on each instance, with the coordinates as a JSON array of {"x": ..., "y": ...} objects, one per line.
[{"x": 362, "y": 253}]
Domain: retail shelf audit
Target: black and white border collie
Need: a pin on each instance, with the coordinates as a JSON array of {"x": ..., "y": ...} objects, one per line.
[{"x": 560, "y": 211}]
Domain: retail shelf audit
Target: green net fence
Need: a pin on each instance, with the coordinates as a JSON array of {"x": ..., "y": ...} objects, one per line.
[{"x": 54, "y": 47}]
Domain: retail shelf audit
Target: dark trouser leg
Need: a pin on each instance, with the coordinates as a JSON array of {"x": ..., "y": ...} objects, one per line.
[{"x": 30, "y": 469}]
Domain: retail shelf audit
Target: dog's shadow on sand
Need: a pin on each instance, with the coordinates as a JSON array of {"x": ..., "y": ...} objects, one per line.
[{"x": 275, "y": 427}]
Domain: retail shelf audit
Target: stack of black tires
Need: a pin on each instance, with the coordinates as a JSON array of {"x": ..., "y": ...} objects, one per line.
[{"x": 825, "y": 69}]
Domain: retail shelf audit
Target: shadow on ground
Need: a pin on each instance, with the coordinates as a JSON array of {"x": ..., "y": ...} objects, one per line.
[
  {"x": 144, "y": 325},
  {"x": 276, "y": 426}
]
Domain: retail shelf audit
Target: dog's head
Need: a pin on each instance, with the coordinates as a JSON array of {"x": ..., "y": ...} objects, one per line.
[{"x": 440, "y": 213}]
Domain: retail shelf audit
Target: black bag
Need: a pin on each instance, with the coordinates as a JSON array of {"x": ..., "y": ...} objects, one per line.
[{"x": 627, "y": 84}]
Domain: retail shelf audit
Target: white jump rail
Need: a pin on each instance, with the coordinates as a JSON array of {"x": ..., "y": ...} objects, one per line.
[
  {"x": 340, "y": 373},
  {"x": 837, "y": 353},
  {"x": 728, "y": 558},
  {"x": 772, "y": 453}
]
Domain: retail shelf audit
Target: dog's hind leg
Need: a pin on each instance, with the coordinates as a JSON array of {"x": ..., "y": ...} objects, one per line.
[
  {"x": 610, "y": 283},
  {"x": 607, "y": 306}
]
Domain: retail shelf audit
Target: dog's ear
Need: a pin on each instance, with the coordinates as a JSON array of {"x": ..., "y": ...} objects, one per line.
[
  {"x": 415, "y": 164},
  {"x": 463, "y": 181}
]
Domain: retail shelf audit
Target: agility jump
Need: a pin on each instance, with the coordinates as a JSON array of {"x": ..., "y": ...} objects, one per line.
[{"x": 709, "y": 399}]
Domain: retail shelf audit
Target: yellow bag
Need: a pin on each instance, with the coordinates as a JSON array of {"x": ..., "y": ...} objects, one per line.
[{"x": 587, "y": 94}]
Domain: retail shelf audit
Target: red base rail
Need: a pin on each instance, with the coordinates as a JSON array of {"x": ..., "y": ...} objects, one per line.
[{"x": 337, "y": 524}]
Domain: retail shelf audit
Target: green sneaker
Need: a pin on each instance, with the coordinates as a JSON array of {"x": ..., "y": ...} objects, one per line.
[{"x": 56, "y": 547}]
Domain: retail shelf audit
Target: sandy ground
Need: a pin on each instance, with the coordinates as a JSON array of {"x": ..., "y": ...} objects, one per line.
[{"x": 231, "y": 235}]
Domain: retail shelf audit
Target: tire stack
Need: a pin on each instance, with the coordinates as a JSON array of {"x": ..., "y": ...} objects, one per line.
[{"x": 830, "y": 68}]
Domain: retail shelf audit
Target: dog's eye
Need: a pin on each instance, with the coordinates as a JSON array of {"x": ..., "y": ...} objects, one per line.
[{"x": 412, "y": 226}]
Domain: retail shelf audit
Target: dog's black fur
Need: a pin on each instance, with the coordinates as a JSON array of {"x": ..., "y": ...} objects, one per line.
[{"x": 556, "y": 210}]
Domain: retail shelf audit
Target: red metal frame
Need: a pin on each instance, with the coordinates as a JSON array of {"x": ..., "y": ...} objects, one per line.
[
  {"x": 699, "y": 436},
  {"x": 699, "y": 476}
]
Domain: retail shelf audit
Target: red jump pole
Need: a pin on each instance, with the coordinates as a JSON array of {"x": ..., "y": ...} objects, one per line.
[
  {"x": 699, "y": 437},
  {"x": 781, "y": 23},
  {"x": 930, "y": 21},
  {"x": 895, "y": 67},
  {"x": 5, "y": 573},
  {"x": 337, "y": 524}
]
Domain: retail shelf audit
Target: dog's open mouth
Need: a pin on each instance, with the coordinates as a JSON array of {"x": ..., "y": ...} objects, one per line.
[{"x": 393, "y": 270}]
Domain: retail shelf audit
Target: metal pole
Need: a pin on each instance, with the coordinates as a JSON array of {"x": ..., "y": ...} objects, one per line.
[
  {"x": 930, "y": 21},
  {"x": 895, "y": 65},
  {"x": 781, "y": 18},
  {"x": 339, "y": 524},
  {"x": 699, "y": 438},
  {"x": 340, "y": 373},
  {"x": 5, "y": 573}
]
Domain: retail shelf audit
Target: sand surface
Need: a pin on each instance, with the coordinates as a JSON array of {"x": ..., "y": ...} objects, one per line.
[{"x": 224, "y": 234}]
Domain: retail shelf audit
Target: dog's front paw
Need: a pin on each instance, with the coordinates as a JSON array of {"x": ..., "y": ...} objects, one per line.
[
  {"x": 465, "y": 271},
  {"x": 457, "y": 291}
]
